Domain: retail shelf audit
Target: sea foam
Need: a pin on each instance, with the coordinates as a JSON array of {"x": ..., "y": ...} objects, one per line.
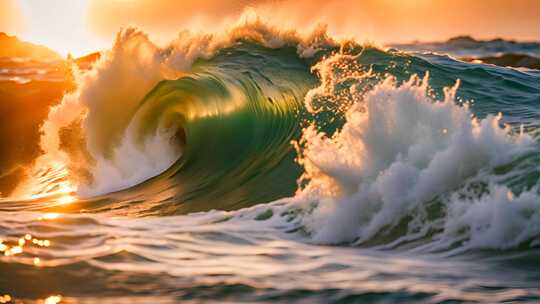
[{"x": 400, "y": 149}]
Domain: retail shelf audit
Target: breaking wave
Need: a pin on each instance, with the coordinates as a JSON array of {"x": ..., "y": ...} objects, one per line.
[{"x": 370, "y": 147}]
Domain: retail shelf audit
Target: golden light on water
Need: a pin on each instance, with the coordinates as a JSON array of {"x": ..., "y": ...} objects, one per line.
[
  {"x": 67, "y": 199},
  {"x": 60, "y": 192},
  {"x": 56, "y": 299},
  {"x": 17, "y": 247},
  {"x": 5, "y": 299},
  {"x": 52, "y": 300},
  {"x": 49, "y": 216}
]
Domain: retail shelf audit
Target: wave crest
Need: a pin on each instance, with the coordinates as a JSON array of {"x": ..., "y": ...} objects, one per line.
[{"x": 108, "y": 97}]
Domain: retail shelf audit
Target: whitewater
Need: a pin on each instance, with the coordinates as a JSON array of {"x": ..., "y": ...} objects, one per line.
[{"x": 263, "y": 165}]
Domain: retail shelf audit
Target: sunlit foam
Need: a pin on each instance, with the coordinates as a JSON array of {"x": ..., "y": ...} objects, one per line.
[{"x": 17, "y": 246}]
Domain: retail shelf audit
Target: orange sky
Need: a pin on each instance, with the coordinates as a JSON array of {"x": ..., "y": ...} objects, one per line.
[{"x": 83, "y": 25}]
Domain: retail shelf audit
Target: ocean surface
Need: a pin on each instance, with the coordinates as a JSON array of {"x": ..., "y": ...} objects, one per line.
[{"x": 262, "y": 166}]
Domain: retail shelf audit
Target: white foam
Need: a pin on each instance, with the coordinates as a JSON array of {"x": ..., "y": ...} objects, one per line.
[
  {"x": 397, "y": 150},
  {"x": 498, "y": 220}
]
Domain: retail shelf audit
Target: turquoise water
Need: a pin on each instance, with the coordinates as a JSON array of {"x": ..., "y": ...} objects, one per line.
[{"x": 262, "y": 173}]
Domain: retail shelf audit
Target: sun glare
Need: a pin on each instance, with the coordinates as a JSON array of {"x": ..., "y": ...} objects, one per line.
[{"x": 60, "y": 25}]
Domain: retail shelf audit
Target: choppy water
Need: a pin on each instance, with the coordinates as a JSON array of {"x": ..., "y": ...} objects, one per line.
[{"x": 263, "y": 166}]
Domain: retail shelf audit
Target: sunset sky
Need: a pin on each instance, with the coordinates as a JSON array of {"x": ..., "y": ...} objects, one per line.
[{"x": 81, "y": 26}]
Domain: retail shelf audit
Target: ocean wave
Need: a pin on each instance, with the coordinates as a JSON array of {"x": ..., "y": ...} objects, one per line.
[{"x": 347, "y": 134}]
